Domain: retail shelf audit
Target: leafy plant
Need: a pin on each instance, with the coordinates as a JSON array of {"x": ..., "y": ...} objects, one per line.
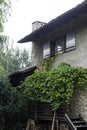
[{"x": 55, "y": 86}]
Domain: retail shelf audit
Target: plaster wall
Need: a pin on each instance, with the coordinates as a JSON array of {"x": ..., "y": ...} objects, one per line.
[{"x": 76, "y": 57}]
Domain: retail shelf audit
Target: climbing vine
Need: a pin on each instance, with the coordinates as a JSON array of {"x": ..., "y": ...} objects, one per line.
[
  {"x": 54, "y": 86},
  {"x": 47, "y": 64}
]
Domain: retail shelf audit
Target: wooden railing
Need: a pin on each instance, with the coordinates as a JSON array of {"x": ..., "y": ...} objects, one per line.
[{"x": 68, "y": 120}]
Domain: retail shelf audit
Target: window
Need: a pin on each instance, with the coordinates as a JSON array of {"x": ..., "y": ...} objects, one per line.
[
  {"x": 60, "y": 46},
  {"x": 70, "y": 41},
  {"x": 52, "y": 48},
  {"x": 46, "y": 50}
]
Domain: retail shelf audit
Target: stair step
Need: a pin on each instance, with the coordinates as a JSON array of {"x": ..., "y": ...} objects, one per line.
[
  {"x": 81, "y": 126},
  {"x": 79, "y": 122},
  {"x": 76, "y": 118}
]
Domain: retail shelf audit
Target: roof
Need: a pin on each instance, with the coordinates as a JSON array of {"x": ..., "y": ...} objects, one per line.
[
  {"x": 57, "y": 22},
  {"x": 17, "y": 77}
]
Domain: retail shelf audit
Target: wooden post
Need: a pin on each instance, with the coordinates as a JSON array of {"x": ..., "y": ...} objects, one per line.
[
  {"x": 53, "y": 122},
  {"x": 28, "y": 124},
  {"x": 33, "y": 123},
  {"x": 56, "y": 124}
]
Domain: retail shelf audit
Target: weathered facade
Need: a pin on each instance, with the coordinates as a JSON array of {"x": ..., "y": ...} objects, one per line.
[
  {"x": 65, "y": 39},
  {"x": 76, "y": 57},
  {"x": 79, "y": 103}
]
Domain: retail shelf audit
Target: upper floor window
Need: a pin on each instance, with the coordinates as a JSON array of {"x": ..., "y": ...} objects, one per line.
[
  {"x": 46, "y": 50},
  {"x": 60, "y": 46},
  {"x": 70, "y": 41}
]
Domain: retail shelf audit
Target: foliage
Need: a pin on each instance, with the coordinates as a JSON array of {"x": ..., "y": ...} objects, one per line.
[
  {"x": 12, "y": 108},
  {"x": 12, "y": 59},
  {"x": 13, "y": 111},
  {"x": 4, "y": 11},
  {"x": 48, "y": 63},
  {"x": 25, "y": 58},
  {"x": 80, "y": 77},
  {"x": 17, "y": 59},
  {"x": 55, "y": 86}
]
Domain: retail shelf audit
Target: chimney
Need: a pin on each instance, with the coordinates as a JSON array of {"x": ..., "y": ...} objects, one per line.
[{"x": 37, "y": 24}]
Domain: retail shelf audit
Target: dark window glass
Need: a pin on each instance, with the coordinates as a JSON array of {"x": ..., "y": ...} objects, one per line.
[
  {"x": 52, "y": 48},
  {"x": 60, "y": 46},
  {"x": 46, "y": 50},
  {"x": 70, "y": 41}
]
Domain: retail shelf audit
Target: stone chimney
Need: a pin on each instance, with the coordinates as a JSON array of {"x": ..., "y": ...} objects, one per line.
[{"x": 37, "y": 24}]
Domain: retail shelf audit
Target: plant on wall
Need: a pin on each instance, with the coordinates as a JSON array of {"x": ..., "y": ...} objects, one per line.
[{"x": 54, "y": 86}]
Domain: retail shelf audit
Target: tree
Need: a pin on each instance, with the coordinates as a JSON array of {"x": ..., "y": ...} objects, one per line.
[
  {"x": 4, "y": 11},
  {"x": 13, "y": 59},
  {"x": 25, "y": 59},
  {"x": 11, "y": 105},
  {"x": 12, "y": 109},
  {"x": 17, "y": 59}
]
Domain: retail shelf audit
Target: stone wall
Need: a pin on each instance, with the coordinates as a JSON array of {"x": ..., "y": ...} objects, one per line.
[
  {"x": 37, "y": 55},
  {"x": 78, "y": 106}
]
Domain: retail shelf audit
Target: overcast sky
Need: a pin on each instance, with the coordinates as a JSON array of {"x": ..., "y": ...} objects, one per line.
[{"x": 24, "y": 12}]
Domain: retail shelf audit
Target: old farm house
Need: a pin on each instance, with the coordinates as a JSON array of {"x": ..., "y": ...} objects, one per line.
[{"x": 66, "y": 37}]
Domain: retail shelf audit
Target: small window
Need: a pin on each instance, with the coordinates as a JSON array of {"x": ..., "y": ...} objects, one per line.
[
  {"x": 60, "y": 46},
  {"x": 70, "y": 41},
  {"x": 46, "y": 50},
  {"x": 52, "y": 48}
]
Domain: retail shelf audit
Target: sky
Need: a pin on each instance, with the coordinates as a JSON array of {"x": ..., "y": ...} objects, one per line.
[{"x": 25, "y": 12}]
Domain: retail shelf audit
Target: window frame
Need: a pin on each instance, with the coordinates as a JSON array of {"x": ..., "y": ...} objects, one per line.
[
  {"x": 60, "y": 43},
  {"x": 46, "y": 50},
  {"x": 52, "y": 45},
  {"x": 72, "y": 41}
]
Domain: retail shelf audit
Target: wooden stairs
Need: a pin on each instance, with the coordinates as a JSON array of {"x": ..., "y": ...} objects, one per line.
[{"x": 77, "y": 123}]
